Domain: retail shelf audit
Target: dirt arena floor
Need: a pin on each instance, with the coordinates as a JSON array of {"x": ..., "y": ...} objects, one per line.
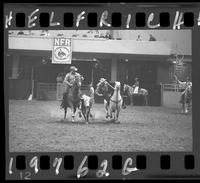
[{"x": 37, "y": 126}]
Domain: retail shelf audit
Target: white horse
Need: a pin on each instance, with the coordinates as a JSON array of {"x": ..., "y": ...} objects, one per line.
[
  {"x": 130, "y": 91},
  {"x": 115, "y": 102}
]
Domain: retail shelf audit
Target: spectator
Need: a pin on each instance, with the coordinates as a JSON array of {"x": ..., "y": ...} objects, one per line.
[
  {"x": 20, "y": 33},
  {"x": 45, "y": 33},
  {"x": 151, "y": 38},
  {"x": 136, "y": 86},
  {"x": 139, "y": 38}
]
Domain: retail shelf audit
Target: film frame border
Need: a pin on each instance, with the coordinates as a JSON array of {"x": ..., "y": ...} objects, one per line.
[{"x": 175, "y": 156}]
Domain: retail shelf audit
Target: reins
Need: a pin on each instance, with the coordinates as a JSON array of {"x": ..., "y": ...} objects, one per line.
[{"x": 109, "y": 84}]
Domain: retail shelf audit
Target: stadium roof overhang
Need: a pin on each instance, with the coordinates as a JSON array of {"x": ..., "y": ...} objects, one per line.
[{"x": 89, "y": 48}]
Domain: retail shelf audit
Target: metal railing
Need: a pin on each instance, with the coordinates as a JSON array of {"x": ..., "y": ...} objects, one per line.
[
  {"x": 46, "y": 86},
  {"x": 171, "y": 87},
  {"x": 44, "y": 89}
]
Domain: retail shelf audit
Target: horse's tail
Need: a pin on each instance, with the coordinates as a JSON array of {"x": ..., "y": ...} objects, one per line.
[{"x": 64, "y": 102}]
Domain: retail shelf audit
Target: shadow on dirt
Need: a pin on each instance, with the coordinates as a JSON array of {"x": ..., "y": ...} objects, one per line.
[{"x": 82, "y": 122}]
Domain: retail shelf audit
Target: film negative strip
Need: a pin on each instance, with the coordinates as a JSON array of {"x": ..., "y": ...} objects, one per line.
[{"x": 102, "y": 91}]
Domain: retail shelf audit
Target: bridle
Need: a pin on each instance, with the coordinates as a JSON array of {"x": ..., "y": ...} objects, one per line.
[{"x": 116, "y": 102}]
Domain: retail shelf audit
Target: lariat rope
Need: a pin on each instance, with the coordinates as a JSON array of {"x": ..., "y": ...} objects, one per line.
[{"x": 109, "y": 85}]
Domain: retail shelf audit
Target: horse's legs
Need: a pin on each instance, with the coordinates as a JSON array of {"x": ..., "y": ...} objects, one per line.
[
  {"x": 183, "y": 107},
  {"x": 145, "y": 100},
  {"x": 187, "y": 108},
  {"x": 111, "y": 115},
  {"x": 79, "y": 110},
  {"x": 114, "y": 114},
  {"x": 65, "y": 113},
  {"x": 131, "y": 99},
  {"x": 117, "y": 115},
  {"x": 106, "y": 108},
  {"x": 73, "y": 113},
  {"x": 88, "y": 115},
  {"x": 84, "y": 114}
]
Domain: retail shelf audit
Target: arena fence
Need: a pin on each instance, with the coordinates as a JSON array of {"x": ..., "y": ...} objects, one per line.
[
  {"x": 170, "y": 95},
  {"x": 46, "y": 91},
  {"x": 54, "y": 91}
]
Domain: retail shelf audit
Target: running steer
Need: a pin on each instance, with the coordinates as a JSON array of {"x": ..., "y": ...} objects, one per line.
[{"x": 86, "y": 104}]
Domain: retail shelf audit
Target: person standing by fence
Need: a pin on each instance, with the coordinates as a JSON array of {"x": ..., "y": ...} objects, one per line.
[
  {"x": 136, "y": 86},
  {"x": 183, "y": 85}
]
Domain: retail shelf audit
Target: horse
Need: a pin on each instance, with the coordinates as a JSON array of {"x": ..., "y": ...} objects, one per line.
[
  {"x": 103, "y": 89},
  {"x": 116, "y": 101},
  {"x": 130, "y": 91},
  {"x": 72, "y": 99},
  {"x": 186, "y": 99}
]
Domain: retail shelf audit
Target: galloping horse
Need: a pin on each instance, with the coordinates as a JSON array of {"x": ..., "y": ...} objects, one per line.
[
  {"x": 116, "y": 102},
  {"x": 186, "y": 99},
  {"x": 130, "y": 91},
  {"x": 72, "y": 100},
  {"x": 103, "y": 89}
]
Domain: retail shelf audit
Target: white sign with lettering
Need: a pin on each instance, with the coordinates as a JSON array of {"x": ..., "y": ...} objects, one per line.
[{"x": 62, "y": 51}]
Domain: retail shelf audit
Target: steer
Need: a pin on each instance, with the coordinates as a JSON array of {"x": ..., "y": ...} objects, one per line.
[{"x": 86, "y": 104}]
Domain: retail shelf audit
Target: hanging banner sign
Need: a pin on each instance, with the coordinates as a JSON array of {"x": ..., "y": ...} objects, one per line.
[{"x": 62, "y": 51}]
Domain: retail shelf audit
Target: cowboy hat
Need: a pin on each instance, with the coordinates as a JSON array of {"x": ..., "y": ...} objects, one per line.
[
  {"x": 73, "y": 68},
  {"x": 102, "y": 80}
]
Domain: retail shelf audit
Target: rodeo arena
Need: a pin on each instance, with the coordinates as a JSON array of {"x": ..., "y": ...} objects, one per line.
[{"x": 99, "y": 90}]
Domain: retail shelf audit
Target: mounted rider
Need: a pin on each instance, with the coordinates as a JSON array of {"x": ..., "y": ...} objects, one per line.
[
  {"x": 183, "y": 85},
  {"x": 136, "y": 86},
  {"x": 106, "y": 97},
  {"x": 69, "y": 80}
]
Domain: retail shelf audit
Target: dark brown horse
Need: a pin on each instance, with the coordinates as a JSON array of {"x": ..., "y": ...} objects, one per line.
[
  {"x": 105, "y": 90},
  {"x": 72, "y": 99}
]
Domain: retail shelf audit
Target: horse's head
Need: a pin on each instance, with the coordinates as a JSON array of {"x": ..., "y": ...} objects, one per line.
[
  {"x": 78, "y": 81},
  {"x": 117, "y": 85}
]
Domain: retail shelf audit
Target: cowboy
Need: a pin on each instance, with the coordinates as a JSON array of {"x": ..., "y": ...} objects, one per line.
[
  {"x": 70, "y": 78},
  {"x": 183, "y": 85},
  {"x": 107, "y": 97},
  {"x": 136, "y": 86}
]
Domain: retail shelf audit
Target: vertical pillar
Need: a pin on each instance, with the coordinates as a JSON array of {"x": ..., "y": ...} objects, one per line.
[
  {"x": 114, "y": 69},
  {"x": 15, "y": 66}
]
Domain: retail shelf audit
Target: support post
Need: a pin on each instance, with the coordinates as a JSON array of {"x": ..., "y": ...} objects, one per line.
[
  {"x": 15, "y": 66},
  {"x": 114, "y": 69}
]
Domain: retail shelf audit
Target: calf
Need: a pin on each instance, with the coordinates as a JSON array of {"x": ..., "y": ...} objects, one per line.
[{"x": 86, "y": 104}]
